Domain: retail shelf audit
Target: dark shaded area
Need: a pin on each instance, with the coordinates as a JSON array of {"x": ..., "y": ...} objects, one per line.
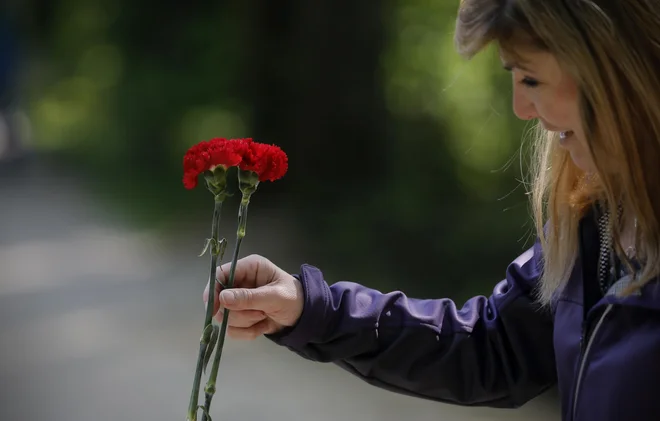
[
  {"x": 403, "y": 157},
  {"x": 404, "y": 174}
]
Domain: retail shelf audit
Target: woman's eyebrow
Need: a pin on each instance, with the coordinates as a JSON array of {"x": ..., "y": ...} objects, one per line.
[{"x": 515, "y": 65}]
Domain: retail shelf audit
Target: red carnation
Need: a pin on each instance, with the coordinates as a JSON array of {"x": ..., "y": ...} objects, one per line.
[
  {"x": 207, "y": 155},
  {"x": 256, "y": 162},
  {"x": 277, "y": 164},
  {"x": 268, "y": 161}
]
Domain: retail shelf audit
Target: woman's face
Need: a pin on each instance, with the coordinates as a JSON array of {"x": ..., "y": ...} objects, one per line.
[{"x": 544, "y": 91}]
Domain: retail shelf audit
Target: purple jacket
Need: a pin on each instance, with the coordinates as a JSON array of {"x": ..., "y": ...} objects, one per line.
[{"x": 498, "y": 351}]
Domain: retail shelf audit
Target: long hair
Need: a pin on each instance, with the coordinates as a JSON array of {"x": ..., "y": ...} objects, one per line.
[{"x": 612, "y": 50}]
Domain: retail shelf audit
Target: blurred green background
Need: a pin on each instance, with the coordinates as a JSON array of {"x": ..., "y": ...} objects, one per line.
[
  {"x": 405, "y": 166},
  {"x": 405, "y": 172}
]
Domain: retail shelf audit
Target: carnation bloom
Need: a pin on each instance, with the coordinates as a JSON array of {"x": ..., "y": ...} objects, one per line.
[
  {"x": 269, "y": 162},
  {"x": 206, "y": 156}
]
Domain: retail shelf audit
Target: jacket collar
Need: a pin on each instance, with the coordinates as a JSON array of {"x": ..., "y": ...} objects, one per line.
[{"x": 586, "y": 274}]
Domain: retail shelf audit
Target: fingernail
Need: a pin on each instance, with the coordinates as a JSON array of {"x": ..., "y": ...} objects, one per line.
[{"x": 228, "y": 297}]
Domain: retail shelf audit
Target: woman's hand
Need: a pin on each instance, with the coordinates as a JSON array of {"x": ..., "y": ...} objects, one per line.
[{"x": 265, "y": 299}]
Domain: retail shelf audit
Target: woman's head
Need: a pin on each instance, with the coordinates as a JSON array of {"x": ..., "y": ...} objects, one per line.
[
  {"x": 544, "y": 91},
  {"x": 586, "y": 68}
]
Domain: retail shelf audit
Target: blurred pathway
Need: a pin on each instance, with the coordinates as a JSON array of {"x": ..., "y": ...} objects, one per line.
[{"x": 100, "y": 323}]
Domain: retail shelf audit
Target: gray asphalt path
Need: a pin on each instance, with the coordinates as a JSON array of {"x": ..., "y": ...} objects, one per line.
[{"x": 101, "y": 322}]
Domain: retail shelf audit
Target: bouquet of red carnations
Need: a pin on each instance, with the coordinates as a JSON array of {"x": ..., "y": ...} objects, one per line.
[{"x": 213, "y": 159}]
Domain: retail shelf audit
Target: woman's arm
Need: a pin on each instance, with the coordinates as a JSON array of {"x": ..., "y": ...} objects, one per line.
[{"x": 494, "y": 351}]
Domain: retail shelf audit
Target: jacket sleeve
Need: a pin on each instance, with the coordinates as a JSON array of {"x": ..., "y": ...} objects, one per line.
[{"x": 495, "y": 351}]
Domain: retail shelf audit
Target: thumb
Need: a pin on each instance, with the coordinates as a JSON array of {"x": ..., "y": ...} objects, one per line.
[{"x": 245, "y": 298}]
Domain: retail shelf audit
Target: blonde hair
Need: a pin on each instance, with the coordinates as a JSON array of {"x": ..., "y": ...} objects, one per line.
[{"x": 612, "y": 50}]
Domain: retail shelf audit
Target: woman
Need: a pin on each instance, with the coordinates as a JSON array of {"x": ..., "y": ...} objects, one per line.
[{"x": 581, "y": 308}]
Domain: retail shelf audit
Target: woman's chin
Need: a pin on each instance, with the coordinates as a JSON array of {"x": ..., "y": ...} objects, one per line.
[{"x": 579, "y": 154}]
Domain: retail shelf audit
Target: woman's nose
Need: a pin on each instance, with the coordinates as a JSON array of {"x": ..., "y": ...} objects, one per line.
[{"x": 523, "y": 107}]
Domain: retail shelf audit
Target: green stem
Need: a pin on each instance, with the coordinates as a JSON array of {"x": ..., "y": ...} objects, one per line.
[
  {"x": 208, "y": 319},
  {"x": 240, "y": 233}
]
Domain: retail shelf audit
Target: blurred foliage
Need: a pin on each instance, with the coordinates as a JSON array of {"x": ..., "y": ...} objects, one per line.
[{"x": 404, "y": 157}]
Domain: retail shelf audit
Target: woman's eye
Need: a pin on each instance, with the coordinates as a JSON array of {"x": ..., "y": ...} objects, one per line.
[{"x": 529, "y": 82}]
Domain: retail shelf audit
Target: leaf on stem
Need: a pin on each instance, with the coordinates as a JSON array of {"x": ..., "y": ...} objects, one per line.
[
  {"x": 205, "y": 412},
  {"x": 220, "y": 247},
  {"x": 206, "y": 246},
  {"x": 210, "y": 346}
]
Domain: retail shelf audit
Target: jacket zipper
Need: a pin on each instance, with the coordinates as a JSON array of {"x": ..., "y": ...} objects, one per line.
[{"x": 585, "y": 355}]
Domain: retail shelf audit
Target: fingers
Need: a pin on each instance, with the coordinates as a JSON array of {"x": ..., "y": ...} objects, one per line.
[
  {"x": 264, "y": 327},
  {"x": 253, "y": 278},
  {"x": 248, "y": 299},
  {"x": 251, "y": 272},
  {"x": 241, "y": 318}
]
